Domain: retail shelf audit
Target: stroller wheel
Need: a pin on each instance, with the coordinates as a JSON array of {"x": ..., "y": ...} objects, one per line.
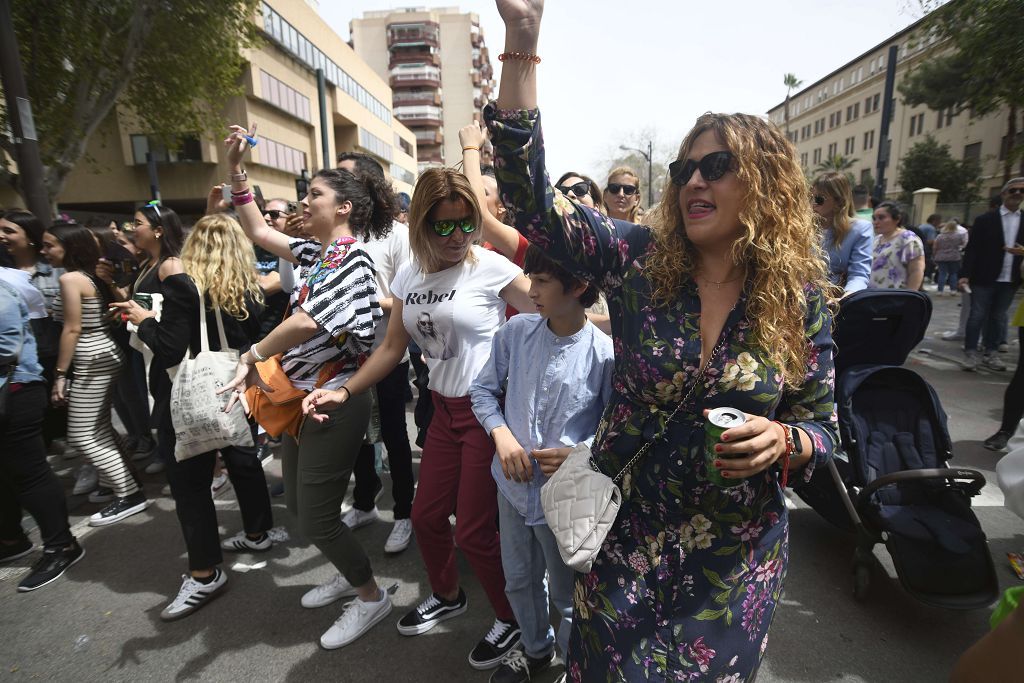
[{"x": 861, "y": 581}]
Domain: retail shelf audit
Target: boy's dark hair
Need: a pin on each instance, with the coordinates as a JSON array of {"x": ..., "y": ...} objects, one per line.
[{"x": 537, "y": 262}]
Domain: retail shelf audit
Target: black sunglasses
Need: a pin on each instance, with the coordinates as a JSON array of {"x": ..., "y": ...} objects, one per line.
[
  {"x": 817, "y": 199},
  {"x": 1015, "y": 190},
  {"x": 712, "y": 167},
  {"x": 447, "y": 226},
  {"x": 614, "y": 188},
  {"x": 274, "y": 214},
  {"x": 579, "y": 189}
]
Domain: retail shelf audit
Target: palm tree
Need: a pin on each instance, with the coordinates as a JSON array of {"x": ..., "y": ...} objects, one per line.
[
  {"x": 792, "y": 83},
  {"x": 837, "y": 163}
]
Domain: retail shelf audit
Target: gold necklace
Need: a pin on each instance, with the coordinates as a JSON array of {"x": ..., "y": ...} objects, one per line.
[{"x": 718, "y": 284}]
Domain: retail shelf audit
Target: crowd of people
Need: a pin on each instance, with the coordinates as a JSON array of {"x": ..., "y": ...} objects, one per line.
[{"x": 531, "y": 316}]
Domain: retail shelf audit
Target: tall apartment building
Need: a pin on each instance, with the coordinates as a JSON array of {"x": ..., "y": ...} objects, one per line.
[
  {"x": 842, "y": 112},
  {"x": 439, "y": 70},
  {"x": 281, "y": 96}
]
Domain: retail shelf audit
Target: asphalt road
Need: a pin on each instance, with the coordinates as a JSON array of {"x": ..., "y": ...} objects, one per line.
[{"x": 101, "y": 621}]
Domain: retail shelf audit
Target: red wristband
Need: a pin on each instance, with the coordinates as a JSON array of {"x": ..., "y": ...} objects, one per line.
[
  {"x": 790, "y": 447},
  {"x": 239, "y": 200}
]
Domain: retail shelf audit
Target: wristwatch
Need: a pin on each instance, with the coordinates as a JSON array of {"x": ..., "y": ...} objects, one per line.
[{"x": 798, "y": 447}]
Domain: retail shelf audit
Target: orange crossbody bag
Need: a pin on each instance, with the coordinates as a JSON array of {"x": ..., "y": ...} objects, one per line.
[{"x": 279, "y": 410}]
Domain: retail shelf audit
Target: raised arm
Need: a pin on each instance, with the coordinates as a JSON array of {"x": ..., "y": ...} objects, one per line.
[
  {"x": 256, "y": 229},
  {"x": 503, "y": 237}
]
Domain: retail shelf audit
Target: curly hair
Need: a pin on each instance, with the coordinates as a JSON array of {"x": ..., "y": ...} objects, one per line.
[
  {"x": 434, "y": 186},
  {"x": 779, "y": 243},
  {"x": 373, "y": 200},
  {"x": 219, "y": 258}
]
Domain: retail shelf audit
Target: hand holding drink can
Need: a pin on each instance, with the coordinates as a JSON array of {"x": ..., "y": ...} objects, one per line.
[{"x": 717, "y": 423}]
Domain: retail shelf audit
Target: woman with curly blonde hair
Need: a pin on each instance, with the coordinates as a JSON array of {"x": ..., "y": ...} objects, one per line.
[
  {"x": 220, "y": 267},
  {"x": 722, "y": 303}
]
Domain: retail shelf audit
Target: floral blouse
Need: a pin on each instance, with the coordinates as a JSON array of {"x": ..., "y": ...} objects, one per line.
[
  {"x": 890, "y": 257},
  {"x": 687, "y": 581}
]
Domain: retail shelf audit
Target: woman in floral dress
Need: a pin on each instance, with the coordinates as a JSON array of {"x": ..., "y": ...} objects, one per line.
[
  {"x": 897, "y": 260},
  {"x": 687, "y": 582}
]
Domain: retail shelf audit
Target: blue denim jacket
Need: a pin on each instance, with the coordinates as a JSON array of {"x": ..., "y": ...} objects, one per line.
[
  {"x": 16, "y": 339},
  {"x": 852, "y": 258},
  {"x": 555, "y": 390}
]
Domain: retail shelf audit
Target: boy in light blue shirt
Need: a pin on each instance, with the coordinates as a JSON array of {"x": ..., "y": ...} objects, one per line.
[{"x": 553, "y": 369}]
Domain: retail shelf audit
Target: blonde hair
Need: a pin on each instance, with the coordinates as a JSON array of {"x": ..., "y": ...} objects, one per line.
[
  {"x": 625, "y": 170},
  {"x": 779, "y": 243},
  {"x": 837, "y": 186},
  {"x": 219, "y": 258},
  {"x": 950, "y": 226},
  {"x": 434, "y": 186}
]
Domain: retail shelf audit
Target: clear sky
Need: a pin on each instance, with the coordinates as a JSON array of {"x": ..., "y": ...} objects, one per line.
[{"x": 615, "y": 71}]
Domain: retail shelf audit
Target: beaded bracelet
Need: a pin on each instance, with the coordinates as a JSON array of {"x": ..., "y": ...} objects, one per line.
[
  {"x": 520, "y": 56},
  {"x": 240, "y": 200},
  {"x": 784, "y": 458}
]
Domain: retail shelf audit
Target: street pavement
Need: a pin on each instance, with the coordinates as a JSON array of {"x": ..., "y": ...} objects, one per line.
[{"x": 101, "y": 621}]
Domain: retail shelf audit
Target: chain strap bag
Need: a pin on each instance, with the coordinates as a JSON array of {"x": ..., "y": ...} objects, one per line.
[
  {"x": 581, "y": 502},
  {"x": 197, "y": 412}
]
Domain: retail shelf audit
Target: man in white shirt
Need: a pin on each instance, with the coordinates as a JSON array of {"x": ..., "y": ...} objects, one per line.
[{"x": 991, "y": 269}]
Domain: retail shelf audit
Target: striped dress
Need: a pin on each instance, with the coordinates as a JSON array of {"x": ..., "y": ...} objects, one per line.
[{"x": 96, "y": 365}]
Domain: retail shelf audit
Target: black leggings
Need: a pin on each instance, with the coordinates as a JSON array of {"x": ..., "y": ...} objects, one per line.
[
  {"x": 1013, "y": 400},
  {"x": 26, "y": 480}
]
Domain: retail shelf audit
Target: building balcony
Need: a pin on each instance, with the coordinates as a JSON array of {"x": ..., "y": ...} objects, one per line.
[
  {"x": 408, "y": 98},
  {"x": 476, "y": 35},
  {"x": 400, "y": 57},
  {"x": 423, "y": 76},
  {"x": 424, "y": 33},
  {"x": 415, "y": 116},
  {"x": 427, "y": 137}
]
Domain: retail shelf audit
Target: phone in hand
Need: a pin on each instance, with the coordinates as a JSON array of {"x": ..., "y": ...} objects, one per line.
[
  {"x": 292, "y": 208},
  {"x": 122, "y": 262},
  {"x": 225, "y": 193}
]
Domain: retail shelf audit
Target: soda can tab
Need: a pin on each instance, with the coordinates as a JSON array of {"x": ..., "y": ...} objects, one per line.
[{"x": 718, "y": 421}]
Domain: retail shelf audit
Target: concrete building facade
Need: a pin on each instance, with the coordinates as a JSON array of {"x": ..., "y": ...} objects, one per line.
[
  {"x": 281, "y": 96},
  {"x": 842, "y": 114},
  {"x": 439, "y": 69}
]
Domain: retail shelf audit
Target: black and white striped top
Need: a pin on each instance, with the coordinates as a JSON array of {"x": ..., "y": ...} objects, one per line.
[{"x": 339, "y": 291}]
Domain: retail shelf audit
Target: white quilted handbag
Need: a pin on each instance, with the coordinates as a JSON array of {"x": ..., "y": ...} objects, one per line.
[{"x": 581, "y": 502}]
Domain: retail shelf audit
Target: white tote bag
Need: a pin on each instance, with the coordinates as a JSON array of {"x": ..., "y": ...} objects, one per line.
[
  {"x": 1010, "y": 473},
  {"x": 197, "y": 411}
]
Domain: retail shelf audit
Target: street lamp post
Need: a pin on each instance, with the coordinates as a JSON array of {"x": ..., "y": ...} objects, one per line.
[{"x": 649, "y": 155}]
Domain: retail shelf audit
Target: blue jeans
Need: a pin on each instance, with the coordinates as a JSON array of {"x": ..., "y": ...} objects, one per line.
[
  {"x": 526, "y": 552},
  {"x": 947, "y": 274},
  {"x": 989, "y": 307}
]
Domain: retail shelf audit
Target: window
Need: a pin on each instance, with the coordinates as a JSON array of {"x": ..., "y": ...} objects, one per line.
[
  {"x": 916, "y": 124},
  {"x": 817, "y": 156},
  {"x": 403, "y": 144},
  {"x": 881, "y": 62},
  {"x": 373, "y": 144},
  {"x": 281, "y": 157},
  {"x": 972, "y": 152},
  {"x": 865, "y": 176},
  {"x": 403, "y": 175},
  {"x": 871, "y": 67},
  {"x": 1004, "y": 149},
  {"x": 188, "y": 149},
  {"x": 284, "y": 97},
  {"x": 833, "y": 149},
  {"x": 869, "y": 140},
  {"x": 860, "y": 74},
  {"x": 856, "y": 110},
  {"x": 803, "y": 159},
  {"x": 851, "y": 146},
  {"x": 849, "y": 113}
]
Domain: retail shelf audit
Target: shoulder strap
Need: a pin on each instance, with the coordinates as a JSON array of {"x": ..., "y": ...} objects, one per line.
[
  {"x": 220, "y": 330},
  {"x": 204, "y": 341}
]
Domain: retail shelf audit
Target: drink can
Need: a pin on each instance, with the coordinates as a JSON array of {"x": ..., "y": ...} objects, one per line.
[
  {"x": 144, "y": 300},
  {"x": 718, "y": 421}
]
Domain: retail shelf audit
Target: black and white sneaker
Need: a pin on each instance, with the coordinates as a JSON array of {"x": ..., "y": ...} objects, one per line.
[
  {"x": 193, "y": 595},
  {"x": 120, "y": 509},
  {"x": 430, "y": 613},
  {"x": 519, "y": 667},
  {"x": 240, "y": 543},
  {"x": 499, "y": 641},
  {"x": 51, "y": 566}
]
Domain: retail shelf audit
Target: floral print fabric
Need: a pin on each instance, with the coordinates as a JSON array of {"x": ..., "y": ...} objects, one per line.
[
  {"x": 686, "y": 584},
  {"x": 889, "y": 259}
]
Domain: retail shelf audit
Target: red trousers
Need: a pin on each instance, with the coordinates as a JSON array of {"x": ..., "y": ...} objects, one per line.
[{"x": 455, "y": 473}]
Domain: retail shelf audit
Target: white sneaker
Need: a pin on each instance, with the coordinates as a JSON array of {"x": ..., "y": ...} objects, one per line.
[
  {"x": 356, "y": 620},
  {"x": 354, "y": 518},
  {"x": 86, "y": 481},
  {"x": 994, "y": 362},
  {"x": 326, "y": 593},
  {"x": 219, "y": 482},
  {"x": 1004, "y": 348},
  {"x": 192, "y": 595},
  {"x": 970, "y": 361},
  {"x": 952, "y": 335},
  {"x": 398, "y": 539},
  {"x": 240, "y": 543}
]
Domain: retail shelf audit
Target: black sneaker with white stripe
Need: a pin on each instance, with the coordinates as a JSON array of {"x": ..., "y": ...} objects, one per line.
[
  {"x": 193, "y": 595},
  {"x": 499, "y": 641},
  {"x": 430, "y": 613}
]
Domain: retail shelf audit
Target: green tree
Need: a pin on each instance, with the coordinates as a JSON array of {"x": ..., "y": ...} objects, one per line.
[
  {"x": 984, "y": 70},
  {"x": 930, "y": 164},
  {"x": 837, "y": 163},
  {"x": 792, "y": 83},
  {"x": 166, "y": 65}
]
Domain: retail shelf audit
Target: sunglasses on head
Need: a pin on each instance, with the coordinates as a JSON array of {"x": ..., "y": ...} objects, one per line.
[
  {"x": 818, "y": 199},
  {"x": 615, "y": 188},
  {"x": 155, "y": 205},
  {"x": 579, "y": 189},
  {"x": 712, "y": 167},
  {"x": 447, "y": 226}
]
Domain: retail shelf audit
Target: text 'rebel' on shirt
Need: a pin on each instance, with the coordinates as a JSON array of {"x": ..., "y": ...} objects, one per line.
[
  {"x": 339, "y": 292},
  {"x": 452, "y": 315}
]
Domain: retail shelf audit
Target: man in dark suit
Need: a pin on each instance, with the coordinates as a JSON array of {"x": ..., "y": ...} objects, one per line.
[{"x": 991, "y": 269}]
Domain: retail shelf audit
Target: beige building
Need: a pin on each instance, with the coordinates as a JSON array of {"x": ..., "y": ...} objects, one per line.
[
  {"x": 842, "y": 114},
  {"x": 439, "y": 70},
  {"x": 281, "y": 96}
]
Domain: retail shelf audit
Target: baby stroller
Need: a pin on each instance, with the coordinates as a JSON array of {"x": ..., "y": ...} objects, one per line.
[{"x": 891, "y": 484}]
